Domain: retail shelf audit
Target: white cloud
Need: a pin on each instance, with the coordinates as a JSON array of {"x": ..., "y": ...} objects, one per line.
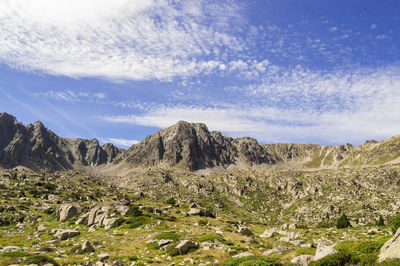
[
  {"x": 125, "y": 143},
  {"x": 381, "y": 36},
  {"x": 302, "y": 106},
  {"x": 333, "y": 29},
  {"x": 373, "y": 27},
  {"x": 118, "y": 39},
  {"x": 71, "y": 96}
]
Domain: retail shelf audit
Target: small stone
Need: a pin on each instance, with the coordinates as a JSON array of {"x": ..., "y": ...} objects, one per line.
[{"x": 103, "y": 256}]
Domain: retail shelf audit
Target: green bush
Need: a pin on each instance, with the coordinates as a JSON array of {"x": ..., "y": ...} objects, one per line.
[
  {"x": 120, "y": 221},
  {"x": 395, "y": 222},
  {"x": 203, "y": 222},
  {"x": 343, "y": 222},
  {"x": 134, "y": 211},
  {"x": 39, "y": 260},
  {"x": 369, "y": 247},
  {"x": 340, "y": 258},
  {"x": 368, "y": 259},
  {"x": 380, "y": 221},
  {"x": 134, "y": 222},
  {"x": 253, "y": 261},
  {"x": 170, "y": 201}
]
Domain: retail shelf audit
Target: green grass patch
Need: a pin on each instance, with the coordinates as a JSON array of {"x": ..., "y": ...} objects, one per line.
[
  {"x": 340, "y": 258},
  {"x": 134, "y": 222},
  {"x": 214, "y": 237},
  {"x": 305, "y": 251},
  {"x": 253, "y": 261},
  {"x": 14, "y": 254},
  {"x": 39, "y": 260}
]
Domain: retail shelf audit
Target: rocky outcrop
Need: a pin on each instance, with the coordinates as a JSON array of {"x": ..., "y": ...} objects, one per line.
[
  {"x": 67, "y": 211},
  {"x": 185, "y": 245},
  {"x": 391, "y": 249},
  {"x": 323, "y": 251},
  {"x": 38, "y": 148}
]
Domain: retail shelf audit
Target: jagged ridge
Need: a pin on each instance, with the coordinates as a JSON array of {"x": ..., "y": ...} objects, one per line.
[
  {"x": 38, "y": 148},
  {"x": 184, "y": 145}
]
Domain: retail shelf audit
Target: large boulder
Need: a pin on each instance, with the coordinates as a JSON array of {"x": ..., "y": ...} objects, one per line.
[
  {"x": 185, "y": 245},
  {"x": 65, "y": 234},
  {"x": 93, "y": 214},
  {"x": 303, "y": 260},
  {"x": 323, "y": 251},
  {"x": 67, "y": 211},
  {"x": 391, "y": 249}
]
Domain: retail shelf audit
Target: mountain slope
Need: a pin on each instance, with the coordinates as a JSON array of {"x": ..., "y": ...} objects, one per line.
[
  {"x": 38, "y": 148},
  {"x": 189, "y": 146}
]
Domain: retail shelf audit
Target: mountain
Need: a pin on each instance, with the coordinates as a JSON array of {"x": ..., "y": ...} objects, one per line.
[
  {"x": 189, "y": 146},
  {"x": 192, "y": 146},
  {"x": 38, "y": 148}
]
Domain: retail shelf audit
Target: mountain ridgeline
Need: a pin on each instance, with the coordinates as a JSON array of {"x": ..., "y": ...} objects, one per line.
[
  {"x": 184, "y": 145},
  {"x": 38, "y": 148}
]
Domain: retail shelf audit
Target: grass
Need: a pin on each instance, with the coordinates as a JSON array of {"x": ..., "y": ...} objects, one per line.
[
  {"x": 214, "y": 237},
  {"x": 253, "y": 261},
  {"x": 134, "y": 222},
  {"x": 168, "y": 235}
]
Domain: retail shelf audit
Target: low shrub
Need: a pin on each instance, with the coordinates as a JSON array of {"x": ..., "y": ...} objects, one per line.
[
  {"x": 168, "y": 235},
  {"x": 213, "y": 237},
  {"x": 253, "y": 261},
  {"x": 343, "y": 222},
  {"x": 203, "y": 222},
  {"x": 369, "y": 247},
  {"x": 134, "y": 222},
  {"x": 39, "y": 260},
  {"x": 380, "y": 221},
  {"x": 134, "y": 211},
  {"x": 340, "y": 258},
  {"x": 395, "y": 223},
  {"x": 170, "y": 201},
  {"x": 14, "y": 254}
]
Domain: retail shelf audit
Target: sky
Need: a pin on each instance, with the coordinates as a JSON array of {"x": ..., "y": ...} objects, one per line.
[{"x": 298, "y": 71}]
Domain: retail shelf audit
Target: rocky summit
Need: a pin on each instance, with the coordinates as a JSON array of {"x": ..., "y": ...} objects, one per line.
[{"x": 188, "y": 196}]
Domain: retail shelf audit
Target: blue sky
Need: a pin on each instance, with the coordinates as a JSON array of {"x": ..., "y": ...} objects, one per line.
[{"x": 302, "y": 71}]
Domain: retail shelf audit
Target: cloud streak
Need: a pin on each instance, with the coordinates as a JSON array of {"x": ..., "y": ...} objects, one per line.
[
  {"x": 301, "y": 107},
  {"x": 138, "y": 40}
]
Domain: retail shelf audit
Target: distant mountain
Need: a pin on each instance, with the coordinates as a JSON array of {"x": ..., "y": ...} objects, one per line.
[
  {"x": 38, "y": 148},
  {"x": 192, "y": 146},
  {"x": 189, "y": 146}
]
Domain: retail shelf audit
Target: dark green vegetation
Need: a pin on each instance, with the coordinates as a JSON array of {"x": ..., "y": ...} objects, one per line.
[{"x": 343, "y": 222}]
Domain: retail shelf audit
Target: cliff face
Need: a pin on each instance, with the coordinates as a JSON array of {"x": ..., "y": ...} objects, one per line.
[
  {"x": 193, "y": 146},
  {"x": 38, "y": 148}
]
